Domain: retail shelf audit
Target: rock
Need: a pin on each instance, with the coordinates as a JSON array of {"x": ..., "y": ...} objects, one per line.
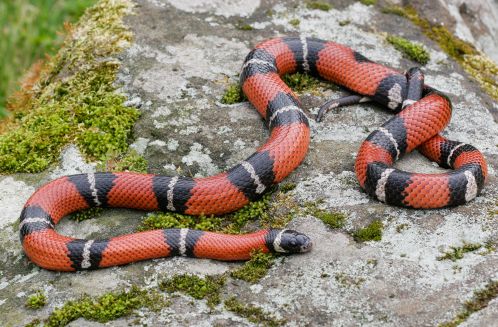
[{"x": 183, "y": 56}]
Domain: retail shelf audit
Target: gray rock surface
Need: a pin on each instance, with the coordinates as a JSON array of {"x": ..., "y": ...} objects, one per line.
[{"x": 184, "y": 55}]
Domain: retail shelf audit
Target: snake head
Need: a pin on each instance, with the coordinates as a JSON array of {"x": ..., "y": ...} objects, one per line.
[{"x": 290, "y": 241}]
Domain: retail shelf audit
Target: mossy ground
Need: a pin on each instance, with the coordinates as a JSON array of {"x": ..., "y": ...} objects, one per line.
[
  {"x": 252, "y": 313},
  {"x": 232, "y": 223},
  {"x": 348, "y": 281},
  {"x": 233, "y": 94},
  {"x": 298, "y": 82},
  {"x": 319, "y": 5},
  {"x": 208, "y": 288},
  {"x": 87, "y": 214},
  {"x": 368, "y": 2},
  {"x": 332, "y": 219},
  {"x": 130, "y": 161},
  {"x": 243, "y": 26},
  {"x": 476, "y": 63},
  {"x": 372, "y": 232},
  {"x": 413, "y": 51},
  {"x": 254, "y": 269},
  {"x": 105, "y": 308},
  {"x": 74, "y": 101},
  {"x": 295, "y": 22},
  {"x": 478, "y": 302},
  {"x": 36, "y": 301},
  {"x": 457, "y": 253}
]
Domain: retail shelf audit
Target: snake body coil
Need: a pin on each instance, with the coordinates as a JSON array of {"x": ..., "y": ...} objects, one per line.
[{"x": 417, "y": 126}]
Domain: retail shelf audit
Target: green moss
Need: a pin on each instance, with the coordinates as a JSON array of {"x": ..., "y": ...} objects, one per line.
[
  {"x": 163, "y": 220},
  {"x": 80, "y": 108},
  {"x": 394, "y": 10},
  {"x": 233, "y": 94},
  {"x": 34, "y": 323},
  {"x": 332, "y": 219},
  {"x": 251, "y": 212},
  {"x": 369, "y": 2},
  {"x": 456, "y": 253},
  {"x": 414, "y": 51},
  {"x": 281, "y": 210},
  {"x": 199, "y": 288},
  {"x": 344, "y": 22},
  {"x": 300, "y": 82},
  {"x": 476, "y": 63},
  {"x": 372, "y": 232},
  {"x": 490, "y": 246},
  {"x": 36, "y": 301},
  {"x": 254, "y": 269},
  {"x": 348, "y": 281},
  {"x": 241, "y": 25},
  {"x": 232, "y": 223},
  {"x": 87, "y": 214},
  {"x": 485, "y": 71},
  {"x": 401, "y": 227},
  {"x": 318, "y": 5},
  {"x": 478, "y": 302},
  {"x": 253, "y": 314},
  {"x": 295, "y": 22},
  {"x": 287, "y": 187},
  {"x": 131, "y": 161},
  {"x": 105, "y": 308}
]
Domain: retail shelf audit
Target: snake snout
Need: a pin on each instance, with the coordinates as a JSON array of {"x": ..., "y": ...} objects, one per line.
[
  {"x": 307, "y": 244},
  {"x": 291, "y": 241}
]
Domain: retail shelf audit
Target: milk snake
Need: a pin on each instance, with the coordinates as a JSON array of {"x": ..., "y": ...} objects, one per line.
[{"x": 427, "y": 112}]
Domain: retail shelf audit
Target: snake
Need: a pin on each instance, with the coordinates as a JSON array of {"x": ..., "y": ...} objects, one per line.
[{"x": 421, "y": 111}]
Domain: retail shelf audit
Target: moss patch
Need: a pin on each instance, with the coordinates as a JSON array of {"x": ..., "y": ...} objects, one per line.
[
  {"x": 74, "y": 101},
  {"x": 286, "y": 187},
  {"x": 233, "y": 94},
  {"x": 87, "y": 214},
  {"x": 401, "y": 227},
  {"x": 414, "y": 51},
  {"x": 251, "y": 212},
  {"x": 348, "y": 281},
  {"x": 295, "y": 22},
  {"x": 333, "y": 219},
  {"x": 300, "y": 82},
  {"x": 163, "y": 220},
  {"x": 199, "y": 288},
  {"x": 344, "y": 22},
  {"x": 478, "y": 302},
  {"x": 457, "y": 253},
  {"x": 252, "y": 313},
  {"x": 34, "y": 323},
  {"x": 372, "y": 232},
  {"x": 485, "y": 71},
  {"x": 318, "y": 5},
  {"x": 36, "y": 301},
  {"x": 254, "y": 269},
  {"x": 476, "y": 63},
  {"x": 369, "y": 2},
  {"x": 105, "y": 308},
  {"x": 130, "y": 161},
  {"x": 243, "y": 26},
  {"x": 232, "y": 223}
]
